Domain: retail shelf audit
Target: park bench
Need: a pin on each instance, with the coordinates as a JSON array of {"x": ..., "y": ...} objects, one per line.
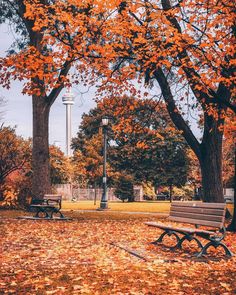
[
  {"x": 49, "y": 205},
  {"x": 199, "y": 214}
]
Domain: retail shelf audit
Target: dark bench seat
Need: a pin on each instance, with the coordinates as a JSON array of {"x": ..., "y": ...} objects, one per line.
[
  {"x": 198, "y": 214},
  {"x": 50, "y": 205}
]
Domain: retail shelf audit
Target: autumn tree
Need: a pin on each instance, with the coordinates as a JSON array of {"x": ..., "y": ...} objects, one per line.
[
  {"x": 36, "y": 59},
  {"x": 87, "y": 160},
  {"x": 60, "y": 166},
  {"x": 186, "y": 48},
  {"x": 15, "y": 154}
]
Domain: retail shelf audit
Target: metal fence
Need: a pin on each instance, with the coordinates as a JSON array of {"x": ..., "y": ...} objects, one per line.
[{"x": 72, "y": 192}]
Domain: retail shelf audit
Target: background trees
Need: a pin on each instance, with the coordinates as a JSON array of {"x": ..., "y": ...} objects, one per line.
[
  {"x": 61, "y": 169},
  {"x": 15, "y": 156},
  {"x": 87, "y": 160},
  {"x": 14, "y": 152},
  {"x": 16, "y": 168},
  {"x": 142, "y": 143}
]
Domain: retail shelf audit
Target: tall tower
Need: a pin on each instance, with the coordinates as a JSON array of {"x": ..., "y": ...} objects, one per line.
[{"x": 68, "y": 100}]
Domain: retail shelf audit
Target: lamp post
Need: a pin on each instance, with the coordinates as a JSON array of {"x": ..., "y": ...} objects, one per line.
[
  {"x": 68, "y": 100},
  {"x": 104, "y": 200}
]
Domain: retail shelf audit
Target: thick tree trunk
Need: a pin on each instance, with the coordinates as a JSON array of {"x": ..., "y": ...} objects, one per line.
[
  {"x": 40, "y": 154},
  {"x": 211, "y": 175},
  {"x": 211, "y": 160}
]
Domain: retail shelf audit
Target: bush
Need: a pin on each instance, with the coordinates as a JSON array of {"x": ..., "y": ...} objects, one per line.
[
  {"x": 124, "y": 188},
  {"x": 9, "y": 198},
  {"x": 15, "y": 193}
]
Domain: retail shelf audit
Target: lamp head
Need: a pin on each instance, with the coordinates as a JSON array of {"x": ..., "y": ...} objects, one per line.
[{"x": 105, "y": 121}]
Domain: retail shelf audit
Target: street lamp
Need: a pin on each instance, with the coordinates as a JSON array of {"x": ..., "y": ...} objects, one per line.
[
  {"x": 104, "y": 200},
  {"x": 68, "y": 100}
]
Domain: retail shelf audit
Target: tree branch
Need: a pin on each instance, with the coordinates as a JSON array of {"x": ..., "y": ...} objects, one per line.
[{"x": 174, "y": 113}]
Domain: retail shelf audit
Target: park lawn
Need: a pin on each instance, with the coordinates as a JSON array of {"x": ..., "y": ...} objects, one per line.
[
  {"x": 153, "y": 207},
  {"x": 147, "y": 206},
  {"x": 97, "y": 254}
]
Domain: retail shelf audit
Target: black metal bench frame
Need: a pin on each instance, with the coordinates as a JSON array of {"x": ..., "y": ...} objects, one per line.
[
  {"x": 50, "y": 205},
  {"x": 199, "y": 214}
]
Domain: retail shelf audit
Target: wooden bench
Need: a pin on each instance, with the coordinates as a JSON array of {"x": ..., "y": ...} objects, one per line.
[
  {"x": 49, "y": 205},
  {"x": 199, "y": 214}
]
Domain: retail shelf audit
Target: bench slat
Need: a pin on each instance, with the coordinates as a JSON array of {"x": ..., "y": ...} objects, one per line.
[
  {"x": 197, "y": 221},
  {"x": 43, "y": 206},
  {"x": 196, "y": 216},
  {"x": 197, "y": 210},
  {"x": 170, "y": 227},
  {"x": 199, "y": 205},
  {"x": 52, "y": 197},
  {"x": 180, "y": 229}
]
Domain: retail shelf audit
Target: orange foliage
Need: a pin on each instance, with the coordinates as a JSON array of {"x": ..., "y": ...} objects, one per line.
[{"x": 105, "y": 254}]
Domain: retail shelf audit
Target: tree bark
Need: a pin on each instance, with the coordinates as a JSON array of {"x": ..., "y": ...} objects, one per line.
[
  {"x": 40, "y": 151},
  {"x": 212, "y": 185}
]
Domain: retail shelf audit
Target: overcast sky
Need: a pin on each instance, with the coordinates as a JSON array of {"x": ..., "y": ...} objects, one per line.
[{"x": 18, "y": 107}]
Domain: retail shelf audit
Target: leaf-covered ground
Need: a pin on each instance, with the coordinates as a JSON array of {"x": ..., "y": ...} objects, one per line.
[{"x": 87, "y": 256}]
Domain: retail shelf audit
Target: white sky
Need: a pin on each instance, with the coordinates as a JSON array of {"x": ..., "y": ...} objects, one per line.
[{"x": 18, "y": 107}]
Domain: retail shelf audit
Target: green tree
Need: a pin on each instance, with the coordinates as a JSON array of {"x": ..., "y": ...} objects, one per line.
[
  {"x": 175, "y": 171},
  {"x": 124, "y": 188},
  {"x": 142, "y": 139}
]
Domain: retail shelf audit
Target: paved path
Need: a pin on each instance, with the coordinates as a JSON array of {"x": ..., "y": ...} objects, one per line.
[{"x": 123, "y": 212}]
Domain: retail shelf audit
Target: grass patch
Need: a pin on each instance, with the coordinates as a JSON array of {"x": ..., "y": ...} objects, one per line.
[{"x": 162, "y": 207}]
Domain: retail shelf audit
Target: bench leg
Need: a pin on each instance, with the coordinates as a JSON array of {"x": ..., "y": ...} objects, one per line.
[
  {"x": 215, "y": 244},
  {"x": 169, "y": 233},
  {"x": 189, "y": 238},
  {"x": 57, "y": 211},
  {"x": 44, "y": 212}
]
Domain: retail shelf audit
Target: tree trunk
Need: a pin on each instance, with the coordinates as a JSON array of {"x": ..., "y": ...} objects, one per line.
[
  {"x": 211, "y": 160},
  {"x": 211, "y": 179},
  {"x": 40, "y": 153}
]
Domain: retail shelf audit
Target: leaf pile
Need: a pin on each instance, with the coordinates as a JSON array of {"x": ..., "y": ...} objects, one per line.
[{"x": 87, "y": 256}]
